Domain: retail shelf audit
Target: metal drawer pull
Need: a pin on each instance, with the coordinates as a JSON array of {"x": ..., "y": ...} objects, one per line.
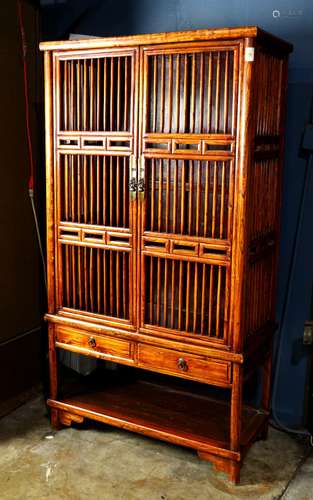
[
  {"x": 182, "y": 364},
  {"x": 92, "y": 342}
]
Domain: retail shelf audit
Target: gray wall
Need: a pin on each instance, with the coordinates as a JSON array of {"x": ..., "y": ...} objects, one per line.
[{"x": 292, "y": 21}]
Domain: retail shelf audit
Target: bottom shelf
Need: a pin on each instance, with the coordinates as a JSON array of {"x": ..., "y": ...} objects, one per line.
[{"x": 162, "y": 411}]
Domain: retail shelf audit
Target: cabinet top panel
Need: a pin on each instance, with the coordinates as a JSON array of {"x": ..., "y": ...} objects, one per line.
[{"x": 172, "y": 37}]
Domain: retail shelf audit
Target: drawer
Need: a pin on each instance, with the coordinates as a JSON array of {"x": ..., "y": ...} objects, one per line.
[
  {"x": 95, "y": 345},
  {"x": 184, "y": 365}
]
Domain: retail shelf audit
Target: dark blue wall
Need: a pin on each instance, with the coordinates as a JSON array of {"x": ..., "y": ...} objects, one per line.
[{"x": 292, "y": 21}]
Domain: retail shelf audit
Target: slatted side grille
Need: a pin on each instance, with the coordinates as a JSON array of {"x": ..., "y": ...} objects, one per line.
[
  {"x": 191, "y": 92},
  {"x": 96, "y": 280},
  {"x": 95, "y": 94},
  {"x": 263, "y": 198},
  {"x": 269, "y": 70},
  {"x": 189, "y": 197},
  {"x": 186, "y": 296},
  {"x": 264, "y": 192},
  {"x": 260, "y": 281},
  {"x": 94, "y": 189}
]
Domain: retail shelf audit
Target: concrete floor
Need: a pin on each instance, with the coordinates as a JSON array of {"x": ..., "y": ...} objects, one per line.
[{"x": 100, "y": 462}]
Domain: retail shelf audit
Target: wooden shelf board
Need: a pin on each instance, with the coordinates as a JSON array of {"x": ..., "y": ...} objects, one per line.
[{"x": 177, "y": 416}]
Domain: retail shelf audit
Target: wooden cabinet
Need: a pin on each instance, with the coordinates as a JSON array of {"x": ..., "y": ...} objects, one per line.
[{"x": 164, "y": 162}]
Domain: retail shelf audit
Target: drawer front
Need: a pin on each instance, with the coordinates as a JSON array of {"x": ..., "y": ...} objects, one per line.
[
  {"x": 185, "y": 365},
  {"x": 94, "y": 345}
]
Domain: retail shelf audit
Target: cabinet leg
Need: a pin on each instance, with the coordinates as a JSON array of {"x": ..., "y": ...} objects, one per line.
[
  {"x": 230, "y": 467},
  {"x": 236, "y": 408},
  {"x": 266, "y": 390},
  {"x": 55, "y": 420}
]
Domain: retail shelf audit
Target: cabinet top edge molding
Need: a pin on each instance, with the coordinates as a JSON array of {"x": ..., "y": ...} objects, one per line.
[{"x": 210, "y": 34}]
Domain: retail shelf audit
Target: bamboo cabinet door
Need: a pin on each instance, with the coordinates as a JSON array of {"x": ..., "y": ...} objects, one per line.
[
  {"x": 187, "y": 147},
  {"x": 95, "y": 105}
]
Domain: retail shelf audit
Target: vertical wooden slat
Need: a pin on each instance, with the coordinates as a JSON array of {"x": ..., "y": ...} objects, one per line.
[
  {"x": 118, "y": 97},
  {"x": 222, "y": 198},
  {"x": 190, "y": 207},
  {"x": 86, "y": 278},
  {"x": 158, "y": 291},
  {"x": 65, "y": 96},
  {"x": 217, "y": 93},
  {"x": 195, "y": 297},
  {"x": 104, "y": 190},
  {"x": 214, "y": 197},
  {"x": 79, "y": 278},
  {"x": 85, "y": 189},
  {"x": 162, "y": 109},
  {"x": 201, "y": 93},
  {"x": 111, "y": 195},
  {"x": 112, "y": 93},
  {"x": 180, "y": 295},
  {"x": 174, "y": 212},
  {"x": 206, "y": 199},
  {"x": 105, "y": 287},
  {"x": 78, "y": 163},
  {"x": 125, "y": 279},
  {"x": 154, "y": 99},
  {"x": 209, "y": 92},
  {"x": 85, "y": 96},
  {"x": 105, "y": 97},
  {"x": 91, "y": 278},
  {"x": 111, "y": 282},
  {"x": 167, "y": 196},
  {"x": 210, "y": 301},
  {"x": 170, "y": 91},
  {"x": 218, "y": 301},
  {"x": 126, "y": 95},
  {"x": 187, "y": 298},
  {"x": 73, "y": 273},
  {"x": 152, "y": 192},
  {"x": 117, "y": 195},
  {"x": 185, "y": 93},
  {"x": 165, "y": 292},
  {"x": 78, "y": 98},
  {"x": 98, "y": 273},
  {"x": 203, "y": 297},
  {"x": 182, "y": 199},
  {"x": 151, "y": 291},
  {"x": 91, "y": 188},
  {"x": 160, "y": 191},
  {"x": 226, "y": 82},
  {"x": 118, "y": 286},
  {"x": 66, "y": 178},
  {"x": 73, "y": 198},
  {"x": 177, "y": 96},
  {"x": 173, "y": 295},
  {"x": 98, "y": 190},
  {"x": 67, "y": 275},
  {"x": 193, "y": 94},
  {"x": 198, "y": 200},
  {"x": 91, "y": 95},
  {"x": 98, "y": 88}
]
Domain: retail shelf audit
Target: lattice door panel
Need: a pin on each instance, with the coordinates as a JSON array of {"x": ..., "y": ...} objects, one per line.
[
  {"x": 96, "y": 92},
  {"x": 191, "y": 90},
  {"x": 95, "y": 113},
  {"x": 94, "y": 190},
  {"x": 188, "y": 153},
  {"x": 189, "y": 197},
  {"x": 96, "y": 280},
  {"x": 95, "y": 235},
  {"x": 190, "y": 297}
]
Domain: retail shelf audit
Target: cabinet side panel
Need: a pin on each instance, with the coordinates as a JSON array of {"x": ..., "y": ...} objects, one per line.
[
  {"x": 265, "y": 190},
  {"x": 49, "y": 180}
]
